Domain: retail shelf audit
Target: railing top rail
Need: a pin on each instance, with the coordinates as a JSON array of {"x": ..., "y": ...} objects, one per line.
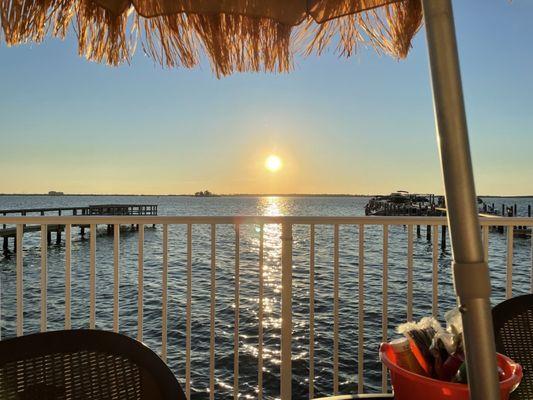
[{"x": 295, "y": 220}]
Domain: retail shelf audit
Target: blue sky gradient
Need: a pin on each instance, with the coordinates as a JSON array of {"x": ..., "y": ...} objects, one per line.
[{"x": 358, "y": 125}]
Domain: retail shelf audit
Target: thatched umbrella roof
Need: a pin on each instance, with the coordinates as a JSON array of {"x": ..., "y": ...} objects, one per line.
[{"x": 235, "y": 35}]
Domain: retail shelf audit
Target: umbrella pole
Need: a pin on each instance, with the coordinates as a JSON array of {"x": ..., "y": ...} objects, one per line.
[{"x": 471, "y": 274}]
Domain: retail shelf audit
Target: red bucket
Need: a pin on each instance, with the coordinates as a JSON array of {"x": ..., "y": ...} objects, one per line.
[{"x": 410, "y": 386}]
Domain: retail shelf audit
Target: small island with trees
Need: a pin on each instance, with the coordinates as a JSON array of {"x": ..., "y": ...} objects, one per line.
[{"x": 205, "y": 193}]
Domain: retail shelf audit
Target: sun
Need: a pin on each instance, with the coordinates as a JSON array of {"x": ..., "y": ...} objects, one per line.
[{"x": 273, "y": 163}]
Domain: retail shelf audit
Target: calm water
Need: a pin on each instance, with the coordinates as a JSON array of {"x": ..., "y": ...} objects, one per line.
[{"x": 249, "y": 287}]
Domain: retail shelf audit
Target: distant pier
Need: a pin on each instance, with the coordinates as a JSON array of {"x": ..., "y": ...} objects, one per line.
[{"x": 7, "y": 232}]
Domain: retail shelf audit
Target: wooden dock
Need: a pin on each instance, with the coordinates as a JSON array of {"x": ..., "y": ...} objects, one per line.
[
  {"x": 402, "y": 203},
  {"x": 7, "y": 232}
]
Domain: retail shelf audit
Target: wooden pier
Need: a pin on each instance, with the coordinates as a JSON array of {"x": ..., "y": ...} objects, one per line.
[{"x": 7, "y": 232}]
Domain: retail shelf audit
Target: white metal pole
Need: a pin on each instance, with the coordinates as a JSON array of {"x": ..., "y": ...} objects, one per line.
[{"x": 471, "y": 274}]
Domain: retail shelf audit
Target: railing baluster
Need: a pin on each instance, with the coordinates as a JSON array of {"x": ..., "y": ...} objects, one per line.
[
  {"x": 385, "y": 290},
  {"x": 361, "y": 311},
  {"x": 509, "y": 282},
  {"x": 68, "y": 254},
  {"x": 188, "y": 314},
  {"x": 485, "y": 235},
  {"x": 92, "y": 277},
  {"x": 116, "y": 276},
  {"x": 531, "y": 252},
  {"x": 237, "y": 306},
  {"x": 140, "y": 282},
  {"x": 410, "y": 272},
  {"x": 212, "y": 315},
  {"x": 312, "y": 312},
  {"x": 20, "y": 280},
  {"x": 164, "y": 290},
  {"x": 336, "y": 309},
  {"x": 44, "y": 275},
  {"x": 260, "y": 315},
  {"x": 435, "y": 274},
  {"x": 286, "y": 311}
]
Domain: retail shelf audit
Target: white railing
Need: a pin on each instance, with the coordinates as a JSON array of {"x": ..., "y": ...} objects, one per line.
[{"x": 286, "y": 239}]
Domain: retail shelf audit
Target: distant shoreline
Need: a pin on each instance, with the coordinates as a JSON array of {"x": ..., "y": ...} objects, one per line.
[
  {"x": 192, "y": 195},
  {"x": 232, "y": 195}
]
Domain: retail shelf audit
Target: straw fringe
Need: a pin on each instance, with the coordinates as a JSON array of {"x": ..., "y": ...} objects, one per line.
[
  {"x": 231, "y": 42},
  {"x": 240, "y": 43},
  {"x": 102, "y": 35},
  {"x": 169, "y": 41},
  {"x": 389, "y": 29},
  {"x": 23, "y": 20},
  {"x": 404, "y": 20}
]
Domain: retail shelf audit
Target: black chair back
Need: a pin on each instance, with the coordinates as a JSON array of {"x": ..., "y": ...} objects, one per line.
[
  {"x": 513, "y": 331},
  {"x": 85, "y": 365}
]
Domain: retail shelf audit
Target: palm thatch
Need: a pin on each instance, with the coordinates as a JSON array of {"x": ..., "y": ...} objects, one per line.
[{"x": 235, "y": 35}]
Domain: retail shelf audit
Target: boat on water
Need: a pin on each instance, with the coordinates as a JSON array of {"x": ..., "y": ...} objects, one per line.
[{"x": 402, "y": 202}]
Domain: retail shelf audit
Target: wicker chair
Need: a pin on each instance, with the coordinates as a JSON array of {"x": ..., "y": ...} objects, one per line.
[
  {"x": 513, "y": 330},
  {"x": 85, "y": 365}
]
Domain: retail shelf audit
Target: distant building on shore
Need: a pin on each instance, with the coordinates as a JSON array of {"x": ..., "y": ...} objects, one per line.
[{"x": 54, "y": 193}]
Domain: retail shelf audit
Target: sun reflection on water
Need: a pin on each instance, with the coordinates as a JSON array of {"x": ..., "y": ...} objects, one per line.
[{"x": 272, "y": 206}]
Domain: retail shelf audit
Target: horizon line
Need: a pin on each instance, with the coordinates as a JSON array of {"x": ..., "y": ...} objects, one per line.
[{"x": 239, "y": 195}]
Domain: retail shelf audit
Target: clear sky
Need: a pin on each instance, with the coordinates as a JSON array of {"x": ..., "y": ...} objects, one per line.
[{"x": 359, "y": 125}]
